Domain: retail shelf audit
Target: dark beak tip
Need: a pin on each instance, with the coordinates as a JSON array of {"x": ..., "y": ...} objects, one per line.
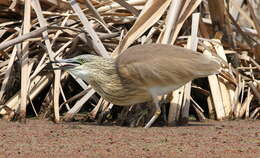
[
  {"x": 53, "y": 62},
  {"x": 50, "y": 65},
  {"x": 61, "y": 64}
]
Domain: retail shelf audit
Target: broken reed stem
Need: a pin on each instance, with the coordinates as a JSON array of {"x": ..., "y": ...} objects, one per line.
[
  {"x": 215, "y": 91},
  {"x": 57, "y": 73},
  {"x": 24, "y": 62},
  {"x": 97, "y": 44}
]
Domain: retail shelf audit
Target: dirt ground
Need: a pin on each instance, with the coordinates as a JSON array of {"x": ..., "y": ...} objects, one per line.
[{"x": 39, "y": 138}]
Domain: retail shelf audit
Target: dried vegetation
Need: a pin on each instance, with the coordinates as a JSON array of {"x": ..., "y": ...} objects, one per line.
[{"x": 34, "y": 32}]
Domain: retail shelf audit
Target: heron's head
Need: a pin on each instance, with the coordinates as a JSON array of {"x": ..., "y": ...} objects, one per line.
[{"x": 80, "y": 65}]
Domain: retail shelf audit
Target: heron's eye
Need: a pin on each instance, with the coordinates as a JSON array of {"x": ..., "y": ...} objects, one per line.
[{"x": 81, "y": 61}]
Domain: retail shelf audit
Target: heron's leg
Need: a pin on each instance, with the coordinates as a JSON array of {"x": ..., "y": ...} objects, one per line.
[{"x": 156, "y": 114}]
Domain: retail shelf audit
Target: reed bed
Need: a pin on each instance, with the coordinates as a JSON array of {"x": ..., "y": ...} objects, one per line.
[{"x": 35, "y": 32}]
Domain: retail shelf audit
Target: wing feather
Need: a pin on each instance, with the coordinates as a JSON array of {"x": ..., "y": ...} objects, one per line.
[{"x": 163, "y": 65}]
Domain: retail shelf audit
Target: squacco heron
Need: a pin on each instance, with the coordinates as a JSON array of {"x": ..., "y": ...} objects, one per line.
[{"x": 141, "y": 73}]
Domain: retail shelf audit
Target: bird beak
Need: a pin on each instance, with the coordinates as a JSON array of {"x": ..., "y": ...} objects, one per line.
[{"x": 64, "y": 64}]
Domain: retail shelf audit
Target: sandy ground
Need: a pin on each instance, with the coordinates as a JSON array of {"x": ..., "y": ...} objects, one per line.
[{"x": 39, "y": 138}]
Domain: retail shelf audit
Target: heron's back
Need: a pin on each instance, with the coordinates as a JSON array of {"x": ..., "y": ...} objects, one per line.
[{"x": 156, "y": 66}]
